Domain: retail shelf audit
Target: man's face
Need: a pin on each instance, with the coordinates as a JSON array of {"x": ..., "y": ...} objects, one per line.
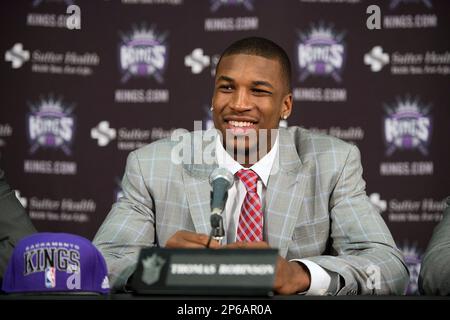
[{"x": 250, "y": 94}]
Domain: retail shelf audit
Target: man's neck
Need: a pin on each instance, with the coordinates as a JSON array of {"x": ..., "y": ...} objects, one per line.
[
  {"x": 248, "y": 157},
  {"x": 262, "y": 164}
]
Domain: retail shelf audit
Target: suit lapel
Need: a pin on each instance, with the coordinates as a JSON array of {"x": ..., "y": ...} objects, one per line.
[
  {"x": 196, "y": 174},
  {"x": 285, "y": 192}
]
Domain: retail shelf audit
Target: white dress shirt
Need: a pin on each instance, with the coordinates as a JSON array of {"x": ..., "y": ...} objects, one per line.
[{"x": 320, "y": 279}]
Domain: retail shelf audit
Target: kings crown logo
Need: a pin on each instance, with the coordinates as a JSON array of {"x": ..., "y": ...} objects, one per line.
[
  {"x": 395, "y": 3},
  {"x": 413, "y": 257},
  {"x": 217, "y": 4},
  {"x": 407, "y": 126},
  {"x": 152, "y": 268},
  {"x": 321, "y": 52},
  {"x": 51, "y": 124},
  {"x": 143, "y": 53}
]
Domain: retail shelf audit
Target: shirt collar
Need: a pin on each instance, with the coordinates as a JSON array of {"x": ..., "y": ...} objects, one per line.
[{"x": 262, "y": 167}]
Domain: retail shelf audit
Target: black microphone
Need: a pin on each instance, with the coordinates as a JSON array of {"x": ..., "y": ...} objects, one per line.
[{"x": 221, "y": 180}]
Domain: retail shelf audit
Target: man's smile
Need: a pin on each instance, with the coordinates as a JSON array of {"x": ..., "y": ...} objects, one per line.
[{"x": 237, "y": 125}]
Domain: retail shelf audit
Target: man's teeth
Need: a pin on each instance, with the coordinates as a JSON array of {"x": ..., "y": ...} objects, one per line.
[{"x": 240, "y": 123}]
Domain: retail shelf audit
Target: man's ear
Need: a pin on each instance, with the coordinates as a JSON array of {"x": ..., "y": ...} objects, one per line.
[{"x": 287, "y": 106}]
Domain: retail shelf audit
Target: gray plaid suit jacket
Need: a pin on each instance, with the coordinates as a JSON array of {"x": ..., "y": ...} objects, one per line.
[
  {"x": 316, "y": 208},
  {"x": 434, "y": 277}
]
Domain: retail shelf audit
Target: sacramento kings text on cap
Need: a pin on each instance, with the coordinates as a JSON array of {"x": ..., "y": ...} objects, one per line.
[{"x": 56, "y": 262}]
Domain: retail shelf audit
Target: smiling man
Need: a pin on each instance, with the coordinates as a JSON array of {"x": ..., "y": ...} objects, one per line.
[
  {"x": 252, "y": 93},
  {"x": 296, "y": 191}
]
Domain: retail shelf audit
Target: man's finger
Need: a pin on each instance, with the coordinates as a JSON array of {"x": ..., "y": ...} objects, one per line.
[
  {"x": 247, "y": 245},
  {"x": 189, "y": 239}
]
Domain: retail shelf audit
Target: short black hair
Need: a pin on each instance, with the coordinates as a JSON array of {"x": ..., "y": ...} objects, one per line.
[{"x": 262, "y": 47}]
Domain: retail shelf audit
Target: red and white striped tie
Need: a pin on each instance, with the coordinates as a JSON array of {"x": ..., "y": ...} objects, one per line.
[{"x": 250, "y": 227}]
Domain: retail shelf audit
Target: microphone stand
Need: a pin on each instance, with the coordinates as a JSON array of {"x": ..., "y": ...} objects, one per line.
[
  {"x": 221, "y": 180},
  {"x": 217, "y": 230}
]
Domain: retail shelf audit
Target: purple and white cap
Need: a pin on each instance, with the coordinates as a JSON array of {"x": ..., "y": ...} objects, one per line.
[{"x": 56, "y": 262}]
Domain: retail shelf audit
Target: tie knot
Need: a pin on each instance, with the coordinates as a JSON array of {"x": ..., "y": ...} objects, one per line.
[{"x": 249, "y": 178}]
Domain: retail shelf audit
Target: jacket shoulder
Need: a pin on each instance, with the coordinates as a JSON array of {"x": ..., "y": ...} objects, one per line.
[
  {"x": 310, "y": 144},
  {"x": 182, "y": 146},
  {"x": 158, "y": 148}
]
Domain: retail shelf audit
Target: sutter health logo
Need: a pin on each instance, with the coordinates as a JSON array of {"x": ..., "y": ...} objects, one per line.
[
  {"x": 103, "y": 133},
  {"x": 48, "y": 61},
  {"x": 17, "y": 56},
  {"x": 127, "y": 138},
  {"x": 61, "y": 210},
  {"x": 197, "y": 61},
  {"x": 379, "y": 203},
  {"x": 376, "y": 59},
  {"x": 424, "y": 63}
]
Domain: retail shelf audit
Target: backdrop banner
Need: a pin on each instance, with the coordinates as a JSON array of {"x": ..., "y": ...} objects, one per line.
[{"x": 83, "y": 83}]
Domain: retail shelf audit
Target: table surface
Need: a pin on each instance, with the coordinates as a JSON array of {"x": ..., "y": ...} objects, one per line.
[{"x": 130, "y": 296}]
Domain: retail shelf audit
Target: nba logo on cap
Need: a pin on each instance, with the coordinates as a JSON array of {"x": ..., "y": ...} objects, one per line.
[
  {"x": 50, "y": 277},
  {"x": 56, "y": 262}
]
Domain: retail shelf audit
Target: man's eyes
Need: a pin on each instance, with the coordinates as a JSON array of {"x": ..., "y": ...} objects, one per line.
[
  {"x": 226, "y": 88},
  {"x": 260, "y": 91},
  {"x": 257, "y": 91}
]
